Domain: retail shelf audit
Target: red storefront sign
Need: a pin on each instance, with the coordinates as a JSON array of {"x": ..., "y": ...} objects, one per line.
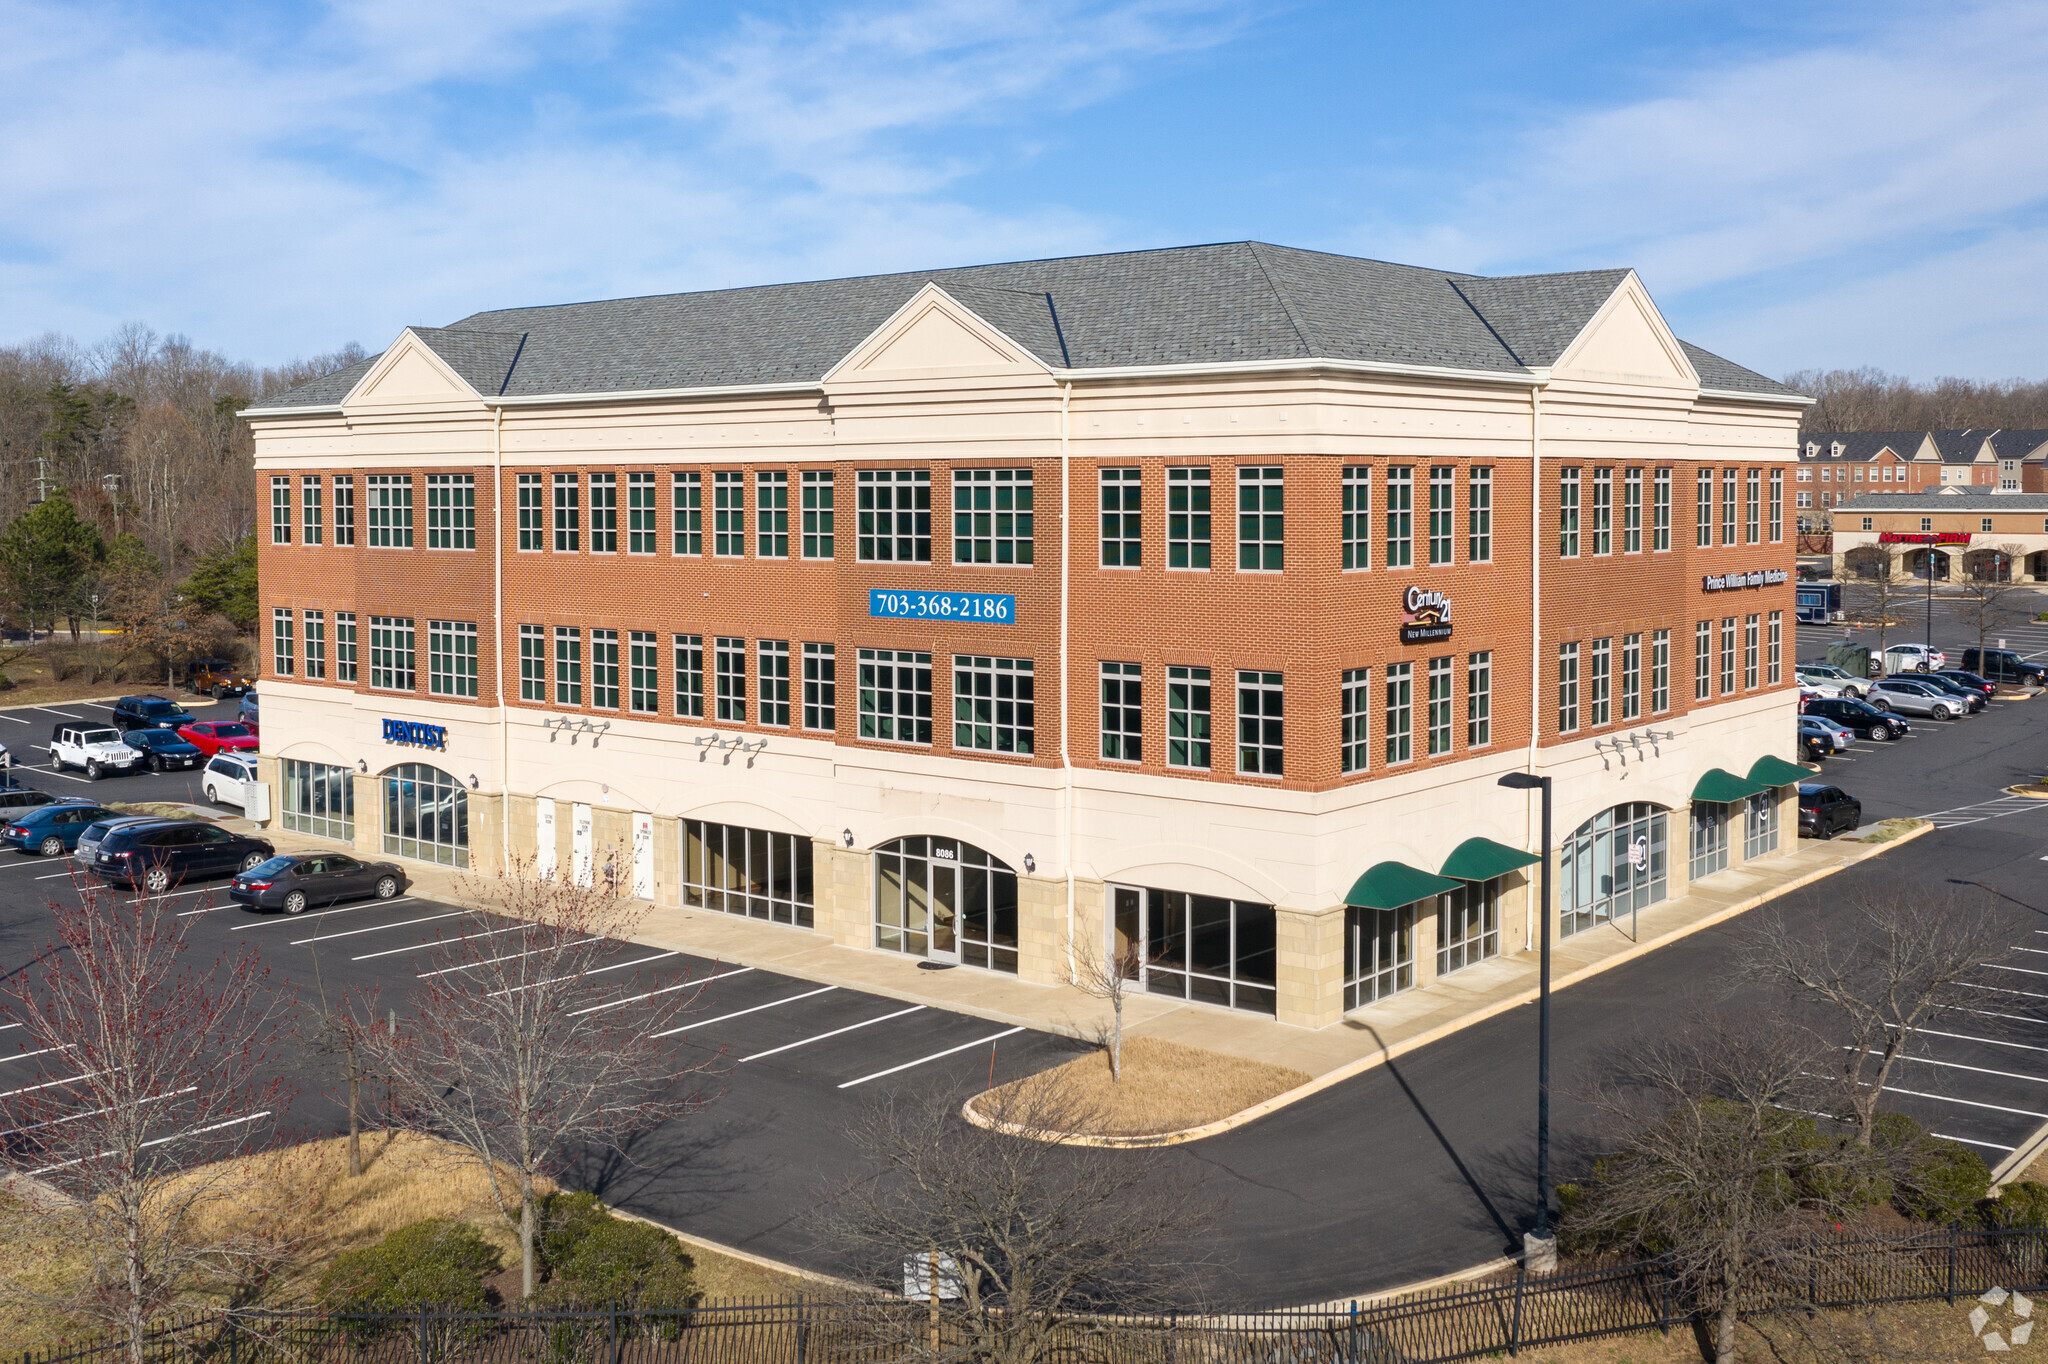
[{"x": 1939, "y": 537}]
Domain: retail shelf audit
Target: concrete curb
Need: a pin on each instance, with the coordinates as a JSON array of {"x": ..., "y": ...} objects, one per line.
[
  {"x": 2023, "y": 1155},
  {"x": 2022, "y": 791},
  {"x": 1380, "y": 1295},
  {"x": 747, "y": 1256},
  {"x": 1449, "y": 1026}
]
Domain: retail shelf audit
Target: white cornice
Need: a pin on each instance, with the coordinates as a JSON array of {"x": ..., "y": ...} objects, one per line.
[
  {"x": 642, "y": 395},
  {"x": 1517, "y": 378}
]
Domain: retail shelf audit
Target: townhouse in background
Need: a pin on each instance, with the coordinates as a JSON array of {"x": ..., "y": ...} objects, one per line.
[
  {"x": 1835, "y": 466},
  {"x": 1189, "y": 601}
]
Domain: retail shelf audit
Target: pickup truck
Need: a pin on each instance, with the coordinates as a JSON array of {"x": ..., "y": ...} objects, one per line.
[
  {"x": 95, "y": 749},
  {"x": 2003, "y": 665}
]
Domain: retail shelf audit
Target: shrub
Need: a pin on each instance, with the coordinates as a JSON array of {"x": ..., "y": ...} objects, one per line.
[
  {"x": 1943, "y": 1181},
  {"x": 2023, "y": 1206},
  {"x": 594, "y": 1257},
  {"x": 438, "y": 1263}
]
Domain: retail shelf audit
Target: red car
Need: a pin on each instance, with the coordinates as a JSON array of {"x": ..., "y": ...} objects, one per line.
[{"x": 211, "y": 736}]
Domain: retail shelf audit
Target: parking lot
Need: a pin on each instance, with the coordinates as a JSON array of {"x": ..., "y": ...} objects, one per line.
[{"x": 26, "y": 732}]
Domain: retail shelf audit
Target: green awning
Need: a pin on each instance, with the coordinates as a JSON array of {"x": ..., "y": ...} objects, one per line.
[
  {"x": 1389, "y": 885},
  {"x": 1720, "y": 788},
  {"x": 1482, "y": 859},
  {"x": 1777, "y": 772}
]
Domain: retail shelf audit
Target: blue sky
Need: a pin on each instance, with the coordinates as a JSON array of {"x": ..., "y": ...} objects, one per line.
[{"x": 1801, "y": 185}]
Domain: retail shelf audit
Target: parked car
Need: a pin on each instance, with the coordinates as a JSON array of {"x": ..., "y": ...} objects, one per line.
[
  {"x": 86, "y": 852},
  {"x": 1813, "y": 691},
  {"x": 1837, "y": 737},
  {"x": 163, "y": 750},
  {"x": 149, "y": 712},
  {"x": 14, "y": 798},
  {"x": 246, "y": 712},
  {"x": 1901, "y": 658},
  {"x": 2006, "y": 667},
  {"x": 216, "y": 677},
  {"x": 163, "y": 853},
  {"x": 1864, "y": 719},
  {"x": 1972, "y": 698},
  {"x": 51, "y": 830},
  {"x": 1814, "y": 744},
  {"x": 1969, "y": 679},
  {"x": 93, "y": 749},
  {"x": 1914, "y": 697},
  {"x": 297, "y": 880},
  {"x": 1850, "y": 684},
  {"x": 1825, "y": 811},
  {"x": 227, "y": 778},
  {"x": 212, "y": 736}
]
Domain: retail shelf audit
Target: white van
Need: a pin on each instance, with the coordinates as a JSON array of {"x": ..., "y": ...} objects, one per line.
[{"x": 228, "y": 777}]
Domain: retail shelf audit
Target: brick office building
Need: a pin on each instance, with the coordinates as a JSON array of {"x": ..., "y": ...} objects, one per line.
[{"x": 1195, "y": 599}]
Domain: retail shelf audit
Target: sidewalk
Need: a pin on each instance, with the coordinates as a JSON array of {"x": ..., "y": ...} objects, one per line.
[{"x": 1366, "y": 1038}]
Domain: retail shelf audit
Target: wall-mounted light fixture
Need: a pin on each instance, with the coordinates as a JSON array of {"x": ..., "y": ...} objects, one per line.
[
  {"x": 847, "y": 834},
  {"x": 362, "y": 766},
  {"x": 472, "y": 781},
  {"x": 1030, "y": 862}
]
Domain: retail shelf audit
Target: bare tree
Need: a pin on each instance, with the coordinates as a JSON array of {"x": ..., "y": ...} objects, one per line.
[
  {"x": 157, "y": 1073},
  {"x": 1869, "y": 399},
  {"x": 1109, "y": 976},
  {"x": 1879, "y": 978},
  {"x": 516, "y": 1051},
  {"x": 1990, "y": 602},
  {"x": 1877, "y": 596},
  {"x": 1014, "y": 1237}
]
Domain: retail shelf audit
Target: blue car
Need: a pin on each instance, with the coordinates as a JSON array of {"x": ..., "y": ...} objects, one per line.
[
  {"x": 52, "y": 830},
  {"x": 165, "y": 750}
]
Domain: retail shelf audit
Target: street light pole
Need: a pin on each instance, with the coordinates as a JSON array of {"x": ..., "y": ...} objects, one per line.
[{"x": 1539, "y": 1247}]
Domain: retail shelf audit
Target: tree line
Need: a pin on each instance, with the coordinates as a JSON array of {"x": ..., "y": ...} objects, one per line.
[{"x": 1869, "y": 399}]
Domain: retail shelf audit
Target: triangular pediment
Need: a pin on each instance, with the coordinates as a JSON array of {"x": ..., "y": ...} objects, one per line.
[
  {"x": 409, "y": 373},
  {"x": 1628, "y": 342},
  {"x": 933, "y": 334}
]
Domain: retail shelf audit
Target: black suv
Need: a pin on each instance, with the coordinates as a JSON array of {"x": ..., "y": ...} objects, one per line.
[
  {"x": 158, "y": 854},
  {"x": 149, "y": 712},
  {"x": 2003, "y": 665},
  {"x": 1825, "y": 811},
  {"x": 1865, "y": 719}
]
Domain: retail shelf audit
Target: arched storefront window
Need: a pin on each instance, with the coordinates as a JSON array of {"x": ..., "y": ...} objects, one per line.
[
  {"x": 426, "y": 815},
  {"x": 1989, "y": 566},
  {"x": 1867, "y": 561},
  {"x": 946, "y": 900},
  {"x": 1919, "y": 561},
  {"x": 1612, "y": 864}
]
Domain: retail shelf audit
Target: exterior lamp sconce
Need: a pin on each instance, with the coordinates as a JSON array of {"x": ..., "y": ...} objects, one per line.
[
  {"x": 705, "y": 743},
  {"x": 597, "y": 730},
  {"x": 847, "y": 835},
  {"x": 362, "y": 766},
  {"x": 1030, "y": 862},
  {"x": 472, "y": 781}
]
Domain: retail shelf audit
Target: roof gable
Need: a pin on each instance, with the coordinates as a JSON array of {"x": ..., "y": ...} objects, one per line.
[
  {"x": 934, "y": 334},
  {"x": 1627, "y": 341},
  {"x": 409, "y": 373}
]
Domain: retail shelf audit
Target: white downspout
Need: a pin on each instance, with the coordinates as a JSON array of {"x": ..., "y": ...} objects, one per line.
[
  {"x": 498, "y": 629},
  {"x": 1535, "y": 632},
  {"x": 1066, "y": 692}
]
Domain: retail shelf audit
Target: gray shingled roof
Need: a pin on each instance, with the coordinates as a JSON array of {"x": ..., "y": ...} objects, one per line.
[
  {"x": 1861, "y": 446},
  {"x": 1972, "y": 497},
  {"x": 2018, "y": 444},
  {"x": 1236, "y": 301},
  {"x": 1960, "y": 446}
]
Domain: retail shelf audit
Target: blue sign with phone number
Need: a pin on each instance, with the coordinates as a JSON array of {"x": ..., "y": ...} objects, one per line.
[{"x": 995, "y": 608}]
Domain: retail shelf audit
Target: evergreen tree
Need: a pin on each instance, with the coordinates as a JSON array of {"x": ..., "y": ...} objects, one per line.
[
  {"x": 48, "y": 555},
  {"x": 224, "y": 583}
]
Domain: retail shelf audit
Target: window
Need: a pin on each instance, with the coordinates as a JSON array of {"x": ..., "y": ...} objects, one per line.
[
  {"x": 1703, "y": 514},
  {"x": 1568, "y": 513},
  {"x": 1599, "y": 679},
  {"x": 1468, "y": 925},
  {"x": 1567, "y": 688},
  {"x": 1400, "y": 712},
  {"x": 1200, "y": 947},
  {"x": 1806, "y": 500},
  {"x": 391, "y": 653},
  {"x": 568, "y": 515},
  {"x": 281, "y": 509},
  {"x": 993, "y": 704},
  {"x": 771, "y": 514},
  {"x": 895, "y": 514},
  {"x": 642, "y": 535},
  {"x": 754, "y": 872},
  {"x": 1355, "y": 527},
  {"x": 451, "y": 658},
  {"x": 1479, "y": 699},
  {"x": 1760, "y": 824},
  {"x": 309, "y": 496},
  {"x": 604, "y": 669},
  {"x": 1442, "y": 514},
  {"x": 1613, "y": 864},
  {"x": 532, "y": 513},
  {"x": 1479, "y": 515},
  {"x": 1603, "y": 511},
  {"x": 319, "y": 799},
  {"x": 1752, "y": 488},
  {"x": 568, "y": 666},
  {"x": 1261, "y": 519},
  {"x": 344, "y": 646},
  {"x": 390, "y": 511},
  {"x": 991, "y": 516},
  {"x": 773, "y": 656},
  {"x": 1121, "y": 540},
  {"x": 1986, "y": 526},
  {"x": 1660, "y": 512},
  {"x": 1749, "y": 651},
  {"x": 896, "y": 696},
  {"x": 1660, "y": 672},
  {"x": 912, "y": 873},
  {"x": 344, "y": 511},
  {"x": 1703, "y": 660},
  {"x": 688, "y": 527},
  {"x": 1727, "y": 655},
  {"x": 1631, "y": 677},
  {"x": 1709, "y": 839},
  {"x": 1123, "y": 712},
  {"x": 1379, "y": 954},
  {"x": 729, "y": 514},
  {"x": 1728, "y": 506},
  {"x": 1439, "y": 706},
  {"x": 817, "y": 514},
  {"x": 1259, "y": 724},
  {"x": 729, "y": 655},
  {"x": 1804, "y": 476},
  {"x": 533, "y": 663},
  {"x": 1778, "y": 504},
  {"x": 281, "y": 641},
  {"x": 1926, "y": 523},
  {"x": 821, "y": 688},
  {"x": 690, "y": 676},
  {"x": 1632, "y": 512},
  {"x": 1400, "y": 516},
  {"x": 316, "y": 643},
  {"x": 1776, "y": 645},
  {"x": 451, "y": 511},
  {"x": 426, "y": 815},
  {"x": 1187, "y": 519},
  {"x": 1187, "y": 718},
  {"x": 1354, "y": 752}
]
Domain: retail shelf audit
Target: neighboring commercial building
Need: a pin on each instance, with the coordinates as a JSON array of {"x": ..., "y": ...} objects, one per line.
[
  {"x": 1193, "y": 600},
  {"x": 1836, "y": 466},
  {"x": 1961, "y": 531}
]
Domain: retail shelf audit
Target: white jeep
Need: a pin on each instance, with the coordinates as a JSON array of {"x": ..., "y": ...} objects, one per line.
[{"x": 95, "y": 749}]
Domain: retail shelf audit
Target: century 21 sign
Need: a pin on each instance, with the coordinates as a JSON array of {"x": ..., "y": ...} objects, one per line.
[{"x": 1425, "y": 616}]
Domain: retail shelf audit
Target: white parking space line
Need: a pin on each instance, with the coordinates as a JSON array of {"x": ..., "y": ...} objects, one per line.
[
  {"x": 160, "y": 1141},
  {"x": 836, "y": 1032},
  {"x": 16, "y": 718},
  {"x": 664, "y": 990},
  {"x": 1972, "y": 1141},
  {"x": 2021, "y": 970},
  {"x": 509, "y": 956},
  {"x": 1987, "y": 1013},
  {"x": 1966, "y": 1103},
  {"x": 1987, "y": 1041},
  {"x": 438, "y": 942},
  {"x": 937, "y": 1055},
  {"x": 594, "y": 971},
  {"x": 2000, "y": 989},
  {"x": 24, "y": 1055},
  {"x": 1978, "y": 1070},
  {"x": 9, "y": 1027},
  {"x": 96, "y": 1112},
  {"x": 304, "y": 918},
  {"x": 56, "y": 875},
  {"x": 740, "y": 1013},
  {"x": 39, "y": 862},
  {"x": 50, "y": 1084},
  {"x": 65, "y": 713},
  {"x": 379, "y": 928}
]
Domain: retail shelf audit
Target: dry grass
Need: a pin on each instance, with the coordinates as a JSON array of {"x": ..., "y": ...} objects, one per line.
[
  {"x": 1885, "y": 830},
  {"x": 1903, "y": 1333},
  {"x": 166, "y": 808},
  {"x": 1167, "y": 1087}
]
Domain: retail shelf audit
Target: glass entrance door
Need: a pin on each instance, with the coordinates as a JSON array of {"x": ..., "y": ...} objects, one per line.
[
  {"x": 946, "y": 900},
  {"x": 945, "y": 913}
]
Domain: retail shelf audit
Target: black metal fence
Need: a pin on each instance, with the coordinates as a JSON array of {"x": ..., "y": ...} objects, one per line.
[{"x": 1506, "y": 1315}]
